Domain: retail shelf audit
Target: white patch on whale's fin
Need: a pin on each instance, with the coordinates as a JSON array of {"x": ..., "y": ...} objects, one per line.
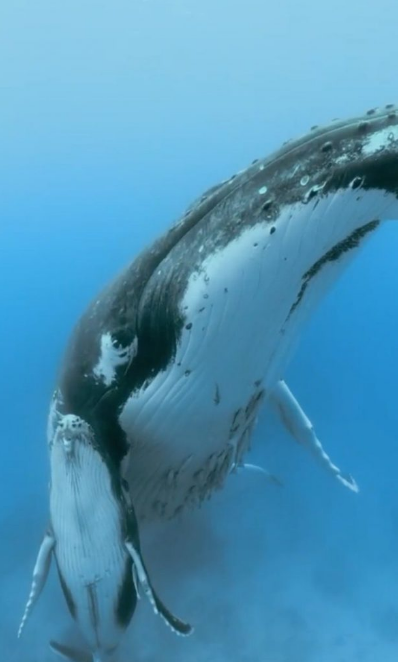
[
  {"x": 301, "y": 428},
  {"x": 136, "y": 581},
  {"x": 178, "y": 626},
  {"x": 257, "y": 469},
  {"x": 71, "y": 654},
  {"x": 40, "y": 573}
]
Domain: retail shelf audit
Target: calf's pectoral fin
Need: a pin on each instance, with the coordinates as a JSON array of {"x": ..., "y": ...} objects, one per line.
[
  {"x": 178, "y": 626},
  {"x": 301, "y": 428},
  {"x": 40, "y": 573},
  {"x": 136, "y": 581}
]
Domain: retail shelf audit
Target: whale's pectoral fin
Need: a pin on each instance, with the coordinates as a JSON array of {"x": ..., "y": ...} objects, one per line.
[
  {"x": 178, "y": 626},
  {"x": 271, "y": 478},
  {"x": 40, "y": 573},
  {"x": 255, "y": 468},
  {"x": 141, "y": 577},
  {"x": 301, "y": 428}
]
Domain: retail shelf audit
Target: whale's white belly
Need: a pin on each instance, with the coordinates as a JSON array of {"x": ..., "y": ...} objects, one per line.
[{"x": 244, "y": 310}]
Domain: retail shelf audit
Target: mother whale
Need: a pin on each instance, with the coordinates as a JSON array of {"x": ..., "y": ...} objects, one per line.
[{"x": 166, "y": 371}]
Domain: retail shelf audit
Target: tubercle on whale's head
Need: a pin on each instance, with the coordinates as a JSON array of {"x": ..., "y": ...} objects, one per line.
[
  {"x": 359, "y": 153},
  {"x": 72, "y": 430},
  {"x": 344, "y": 155}
]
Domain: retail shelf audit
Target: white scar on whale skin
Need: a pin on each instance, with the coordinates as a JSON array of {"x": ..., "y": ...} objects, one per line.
[
  {"x": 112, "y": 357},
  {"x": 380, "y": 140}
]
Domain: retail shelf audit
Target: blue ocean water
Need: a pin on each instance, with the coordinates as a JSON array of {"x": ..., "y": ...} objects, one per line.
[{"x": 114, "y": 117}]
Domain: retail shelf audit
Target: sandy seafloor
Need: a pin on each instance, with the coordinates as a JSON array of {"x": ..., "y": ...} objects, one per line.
[
  {"x": 261, "y": 578},
  {"x": 303, "y": 573}
]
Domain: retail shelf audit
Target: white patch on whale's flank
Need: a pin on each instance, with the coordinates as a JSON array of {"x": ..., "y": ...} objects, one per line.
[
  {"x": 260, "y": 290},
  {"x": 344, "y": 158},
  {"x": 380, "y": 140},
  {"x": 112, "y": 357},
  {"x": 263, "y": 190}
]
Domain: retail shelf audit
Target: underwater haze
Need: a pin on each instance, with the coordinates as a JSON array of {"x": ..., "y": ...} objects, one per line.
[{"x": 114, "y": 117}]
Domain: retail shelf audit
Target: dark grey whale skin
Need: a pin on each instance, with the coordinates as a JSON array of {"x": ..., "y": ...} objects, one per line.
[{"x": 143, "y": 302}]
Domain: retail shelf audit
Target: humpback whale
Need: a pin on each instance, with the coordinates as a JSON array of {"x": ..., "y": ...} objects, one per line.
[{"x": 169, "y": 366}]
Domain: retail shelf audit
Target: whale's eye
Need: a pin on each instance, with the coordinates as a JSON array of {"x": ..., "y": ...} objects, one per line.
[{"x": 356, "y": 182}]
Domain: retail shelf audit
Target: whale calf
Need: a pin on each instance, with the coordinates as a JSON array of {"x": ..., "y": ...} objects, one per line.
[{"x": 167, "y": 369}]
